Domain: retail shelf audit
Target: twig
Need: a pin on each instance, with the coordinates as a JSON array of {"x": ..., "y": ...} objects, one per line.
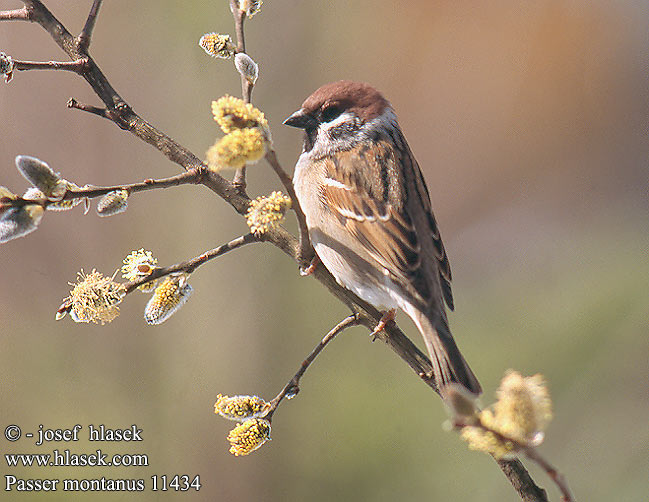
[
  {"x": 101, "y": 112},
  {"x": 186, "y": 266},
  {"x": 83, "y": 39},
  {"x": 15, "y": 15},
  {"x": 190, "y": 265},
  {"x": 293, "y": 386},
  {"x": 558, "y": 478},
  {"x": 306, "y": 252},
  {"x": 79, "y": 66},
  {"x": 239, "y": 16},
  {"x": 193, "y": 176}
]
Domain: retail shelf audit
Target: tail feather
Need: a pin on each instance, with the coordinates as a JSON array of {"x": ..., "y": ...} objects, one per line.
[{"x": 448, "y": 363}]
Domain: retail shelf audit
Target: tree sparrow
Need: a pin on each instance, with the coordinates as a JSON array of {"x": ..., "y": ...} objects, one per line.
[{"x": 369, "y": 215}]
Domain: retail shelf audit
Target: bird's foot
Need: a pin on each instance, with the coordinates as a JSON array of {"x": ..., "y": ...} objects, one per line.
[
  {"x": 388, "y": 316},
  {"x": 305, "y": 272}
]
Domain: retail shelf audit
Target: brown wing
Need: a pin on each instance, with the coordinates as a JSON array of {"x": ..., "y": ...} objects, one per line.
[{"x": 373, "y": 210}]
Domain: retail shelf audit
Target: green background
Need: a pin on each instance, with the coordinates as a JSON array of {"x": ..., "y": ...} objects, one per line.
[{"x": 529, "y": 120}]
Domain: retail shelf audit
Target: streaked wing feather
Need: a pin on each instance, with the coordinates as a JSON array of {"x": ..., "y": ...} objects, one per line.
[{"x": 367, "y": 209}]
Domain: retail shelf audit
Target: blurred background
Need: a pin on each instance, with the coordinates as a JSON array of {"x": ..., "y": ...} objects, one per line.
[{"x": 529, "y": 120}]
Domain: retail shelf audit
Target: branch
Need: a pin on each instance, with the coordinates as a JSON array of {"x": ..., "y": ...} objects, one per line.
[
  {"x": 239, "y": 16},
  {"x": 193, "y": 176},
  {"x": 293, "y": 386},
  {"x": 186, "y": 266},
  {"x": 78, "y": 66},
  {"x": 190, "y": 265},
  {"x": 306, "y": 252},
  {"x": 101, "y": 112},
  {"x": 16, "y": 15},
  {"x": 83, "y": 40}
]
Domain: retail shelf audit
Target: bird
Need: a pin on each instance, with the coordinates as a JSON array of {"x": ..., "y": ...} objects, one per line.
[{"x": 369, "y": 216}]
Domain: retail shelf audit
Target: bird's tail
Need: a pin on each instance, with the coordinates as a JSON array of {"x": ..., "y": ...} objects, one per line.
[{"x": 448, "y": 363}]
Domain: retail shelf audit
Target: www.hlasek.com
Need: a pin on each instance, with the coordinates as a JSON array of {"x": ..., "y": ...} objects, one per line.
[{"x": 66, "y": 458}]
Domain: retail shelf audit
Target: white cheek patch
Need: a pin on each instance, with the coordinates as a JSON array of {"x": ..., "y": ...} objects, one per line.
[{"x": 343, "y": 118}]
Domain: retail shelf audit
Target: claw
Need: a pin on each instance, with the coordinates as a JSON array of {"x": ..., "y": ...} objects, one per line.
[
  {"x": 305, "y": 272},
  {"x": 388, "y": 316}
]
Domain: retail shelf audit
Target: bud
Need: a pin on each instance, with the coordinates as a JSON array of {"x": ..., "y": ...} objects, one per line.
[
  {"x": 246, "y": 67},
  {"x": 217, "y": 45},
  {"x": 250, "y": 7},
  {"x": 248, "y": 436},
  {"x": 168, "y": 297},
  {"x": 460, "y": 402},
  {"x": 94, "y": 298},
  {"x": 239, "y": 408},
  {"x": 139, "y": 264},
  {"x": 234, "y": 113},
  {"x": 5, "y": 193},
  {"x": 6, "y": 66},
  {"x": 19, "y": 221},
  {"x": 265, "y": 213},
  {"x": 113, "y": 203},
  {"x": 39, "y": 174},
  {"x": 236, "y": 149},
  {"x": 6, "y": 196},
  {"x": 34, "y": 193}
]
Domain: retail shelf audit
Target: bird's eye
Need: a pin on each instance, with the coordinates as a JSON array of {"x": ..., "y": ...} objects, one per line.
[{"x": 330, "y": 113}]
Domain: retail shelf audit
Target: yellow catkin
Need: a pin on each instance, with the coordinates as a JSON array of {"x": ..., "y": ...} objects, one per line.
[
  {"x": 267, "y": 212},
  {"x": 217, "y": 45},
  {"x": 239, "y": 407},
  {"x": 168, "y": 297},
  {"x": 139, "y": 264},
  {"x": 236, "y": 149},
  {"x": 234, "y": 113},
  {"x": 249, "y": 436},
  {"x": 521, "y": 413},
  {"x": 95, "y": 297}
]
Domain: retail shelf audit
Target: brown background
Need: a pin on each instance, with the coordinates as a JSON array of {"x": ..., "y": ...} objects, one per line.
[{"x": 529, "y": 120}]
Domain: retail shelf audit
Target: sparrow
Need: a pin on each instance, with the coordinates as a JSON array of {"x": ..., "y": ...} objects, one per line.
[{"x": 369, "y": 216}]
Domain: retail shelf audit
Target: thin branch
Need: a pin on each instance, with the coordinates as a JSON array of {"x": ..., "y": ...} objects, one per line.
[
  {"x": 239, "y": 16},
  {"x": 193, "y": 176},
  {"x": 522, "y": 482},
  {"x": 186, "y": 266},
  {"x": 306, "y": 252},
  {"x": 78, "y": 66},
  {"x": 558, "y": 478},
  {"x": 83, "y": 40},
  {"x": 190, "y": 265},
  {"x": 95, "y": 110},
  {"x": 15, "y": 15},
  {"x": 293, "y": 386}
]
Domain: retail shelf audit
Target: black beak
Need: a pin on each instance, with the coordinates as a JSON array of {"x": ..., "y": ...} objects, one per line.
[{"x": 301, "y": 120}]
